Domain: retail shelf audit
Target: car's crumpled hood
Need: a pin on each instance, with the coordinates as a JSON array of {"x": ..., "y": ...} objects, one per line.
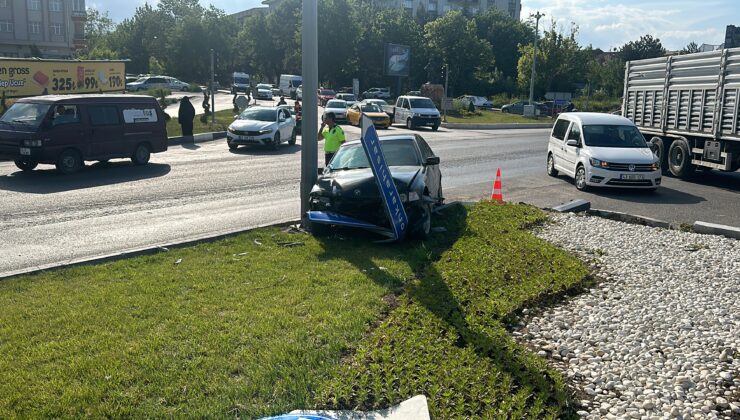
[
  {"x": 252, "y": 125},
  {"x": 361, "y": 183},
  {"x": 622, "y": 155}
]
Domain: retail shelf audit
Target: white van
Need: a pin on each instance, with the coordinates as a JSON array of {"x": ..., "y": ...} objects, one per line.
[
  {"x": 289, "y": 83},
  {"x": 240, "y": 82},
  {"x": 601, "y": 150}
]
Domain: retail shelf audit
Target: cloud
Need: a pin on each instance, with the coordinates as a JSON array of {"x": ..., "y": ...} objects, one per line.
[{"x": 610, "y": 24}]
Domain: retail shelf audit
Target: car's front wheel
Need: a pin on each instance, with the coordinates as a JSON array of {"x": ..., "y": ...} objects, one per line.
[
  {"x": 581, "y": 178},
  {"x": 276, "y": 141},
  {"x": 424, "y": 226},
  {"x": 293, "y": 137},
  {"x": 231, "y": 144},
  {"x": 551, "y": 165}
]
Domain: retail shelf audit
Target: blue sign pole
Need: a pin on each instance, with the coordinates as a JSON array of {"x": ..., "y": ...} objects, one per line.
[{"x": 388, "y": 191}]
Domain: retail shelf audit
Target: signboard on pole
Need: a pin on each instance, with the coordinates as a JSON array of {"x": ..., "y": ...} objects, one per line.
[
  {"x": 32, "y": 77},
  {"x": 391, "y": 199},
  {"x": 397, "y": 60}
]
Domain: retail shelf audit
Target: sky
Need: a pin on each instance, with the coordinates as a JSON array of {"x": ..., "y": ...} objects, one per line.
[{"x": 604, "y": 24}]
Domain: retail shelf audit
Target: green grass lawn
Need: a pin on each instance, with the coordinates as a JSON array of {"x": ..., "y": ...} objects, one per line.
[
  {"x": 253, "y": 326},
  {"x": 495, "y": 117},
  {"x": 223, "y": 119}
]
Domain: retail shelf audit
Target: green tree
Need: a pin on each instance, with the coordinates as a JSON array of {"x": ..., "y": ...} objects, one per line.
[
  {"x": 452, "y": 39},
  {"x": 560, "y": 63},
  {"x": 337, "y": 42},
  {"x": 645, "y": 47},
  {"x": 690, "y": 48},
  {"x": 505, "y": 34}
]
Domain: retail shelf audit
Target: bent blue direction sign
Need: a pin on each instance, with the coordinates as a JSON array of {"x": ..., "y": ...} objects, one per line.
[{"x": 388, "y": 192}]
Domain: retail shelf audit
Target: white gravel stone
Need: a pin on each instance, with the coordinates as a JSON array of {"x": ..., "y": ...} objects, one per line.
[{"x": 659, "y": 334}]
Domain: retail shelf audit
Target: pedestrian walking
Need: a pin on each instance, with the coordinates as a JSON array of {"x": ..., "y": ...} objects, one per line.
[
  {"x": 332, "y": 134},
  {"x": 185, "y": 116}
]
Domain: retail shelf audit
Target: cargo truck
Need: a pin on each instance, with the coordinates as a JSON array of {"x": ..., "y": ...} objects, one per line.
[{"x": 686, "y": 106}]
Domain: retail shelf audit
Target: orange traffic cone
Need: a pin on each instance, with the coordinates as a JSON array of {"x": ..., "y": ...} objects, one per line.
[{"x": 496, "y": 195}]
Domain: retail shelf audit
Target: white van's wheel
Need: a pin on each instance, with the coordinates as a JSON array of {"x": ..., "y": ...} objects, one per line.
[
  {"x": 551, "y": 166},
  {"x": 409, "y": 124},
  {"x": 581, "y": 178},
  {"x": 69, "y": 162},
  {"x": 141, "y": 155}
]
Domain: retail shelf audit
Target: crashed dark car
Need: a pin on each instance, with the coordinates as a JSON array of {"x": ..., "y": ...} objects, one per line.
[{"x": 348, "y": 187}]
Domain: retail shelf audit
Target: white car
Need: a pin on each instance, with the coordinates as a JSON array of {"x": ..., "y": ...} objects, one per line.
[
  {"x": 176, "y": 84},
  {"x": 347, "y": 97},
  {"x": 262, "y": 125},
  {"x": 337, "y": 107},
  {"x": 601, "y": 150},
  {"x": 264, "y": 91}
]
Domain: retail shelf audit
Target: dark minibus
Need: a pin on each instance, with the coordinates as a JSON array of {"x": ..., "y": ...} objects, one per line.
[{"x": 68, "y": 130}]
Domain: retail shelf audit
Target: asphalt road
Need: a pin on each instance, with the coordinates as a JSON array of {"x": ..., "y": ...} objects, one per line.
[{"x": 205, "y": 189}]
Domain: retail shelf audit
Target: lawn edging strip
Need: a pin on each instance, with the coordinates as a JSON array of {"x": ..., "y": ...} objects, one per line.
[
  {"x": 197, "y": 138},
  {"x": 716, "y": 229},
  {"x": 135, "y": 252},
  {"x": 462, "y": 126}
]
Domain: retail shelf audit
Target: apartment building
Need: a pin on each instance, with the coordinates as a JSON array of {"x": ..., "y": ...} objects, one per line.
[{"x": 56, "y": 28}]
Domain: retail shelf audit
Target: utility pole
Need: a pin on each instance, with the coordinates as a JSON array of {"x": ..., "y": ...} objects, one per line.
[
  {"x": 537, "y": 16},
  {"x": 309, "y": 131},
  {"x": 213, "y": 83},
  {"x": 447, "y": 73}
]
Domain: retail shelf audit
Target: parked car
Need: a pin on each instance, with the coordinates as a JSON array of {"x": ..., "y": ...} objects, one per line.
[
  {"x": 339, "y": 108},
  {"x": 68, "y": 130},
  {"x": 146, "y": 83},
  {"x": 276, "y": 91},
  {"x": 601, "y": 150},
  {"x": 347, "y": 97},
  {"x": 377, "y": 93},
  {"x": 325, "y": 95},
  {"x": 299, "y": 93},
  {"x": 414, "y": 111},
  {"x": 373, "y": 111},
  {"x": 348, "y": 186},
  {"x": 263, "y": 126},
  {"x": 264, "y": 91},
  {"x": 478, "y": 101},
  {"x": 176, "y": 84},
  {"x": 518, "y": 108}
]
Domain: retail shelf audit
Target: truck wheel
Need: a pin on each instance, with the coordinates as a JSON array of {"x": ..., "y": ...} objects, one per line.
[
  {"x": 679, "y": 159},
  {"x": 26, "y": 165},
  {"x": 141, "y": 155},
  {"x": 69, "y": 162},
  {"x": 658, "y": 147}
]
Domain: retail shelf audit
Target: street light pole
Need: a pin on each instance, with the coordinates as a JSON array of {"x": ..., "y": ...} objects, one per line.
[
  {"x": 537, "y": 16},
  {"x": 447, "y": 73},
  {"x": 309, "y": 129},
  {"x": 213, "y": 83}
]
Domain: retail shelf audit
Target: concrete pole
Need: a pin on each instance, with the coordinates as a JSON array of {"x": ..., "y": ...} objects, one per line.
[
  {"x": 537, "y": 16},
  {"x": 213, "y": 83},
  {"x": 447, "y": 73},
  {"x": 309, "y": 129}
]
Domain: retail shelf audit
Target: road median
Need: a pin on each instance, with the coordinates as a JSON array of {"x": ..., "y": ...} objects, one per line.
[
  {"x": 505, "y": 126},
  {"x": 276, "y": 319}
]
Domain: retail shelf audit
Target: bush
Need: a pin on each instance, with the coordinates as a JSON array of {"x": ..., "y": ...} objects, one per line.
[
  {"x": 462, "y": 108},
  {"x": 195, "y": 88}
]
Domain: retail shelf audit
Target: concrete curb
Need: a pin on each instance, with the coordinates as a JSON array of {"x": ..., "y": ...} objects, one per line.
[
  {"x": 459, "y": 126},
  {"x": 198, "y": 138},
  {"x": 715, "y": 229},
  {"x": 629, "y": 218},
  {"x": 135, "y": 252}
]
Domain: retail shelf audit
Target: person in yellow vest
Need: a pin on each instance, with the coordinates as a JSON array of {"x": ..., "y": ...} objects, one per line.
[{"x": 332, "y": 134}]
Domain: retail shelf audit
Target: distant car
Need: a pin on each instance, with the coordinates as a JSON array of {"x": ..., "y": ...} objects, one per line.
[
  {"x": 378, "y": 102},
  {"x": 518, "y": 108},
  {"x": 377, "y": 93},
  {"x": 347, "y": 97},
  {"x": 261, "y": 125},
  {"x": 264, "y": 91},
  {"x": 276, "y": 91},
  {"x": 478, "y": 101},
  {"x": 325, "y": 95},
  {"x": 339, "y": 108},
  {"x": 175, "y": 84},
  {"x": 348, "y": 187},
  {"x": 601, "y": 150},
  {"x": 373, "y": 111},
  {"x": 148, "y": 82}
]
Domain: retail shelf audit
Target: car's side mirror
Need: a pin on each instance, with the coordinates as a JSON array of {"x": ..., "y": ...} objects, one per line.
[
  {"x": 432, "y": 160},
  {"x": 572, "y": 142}
]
